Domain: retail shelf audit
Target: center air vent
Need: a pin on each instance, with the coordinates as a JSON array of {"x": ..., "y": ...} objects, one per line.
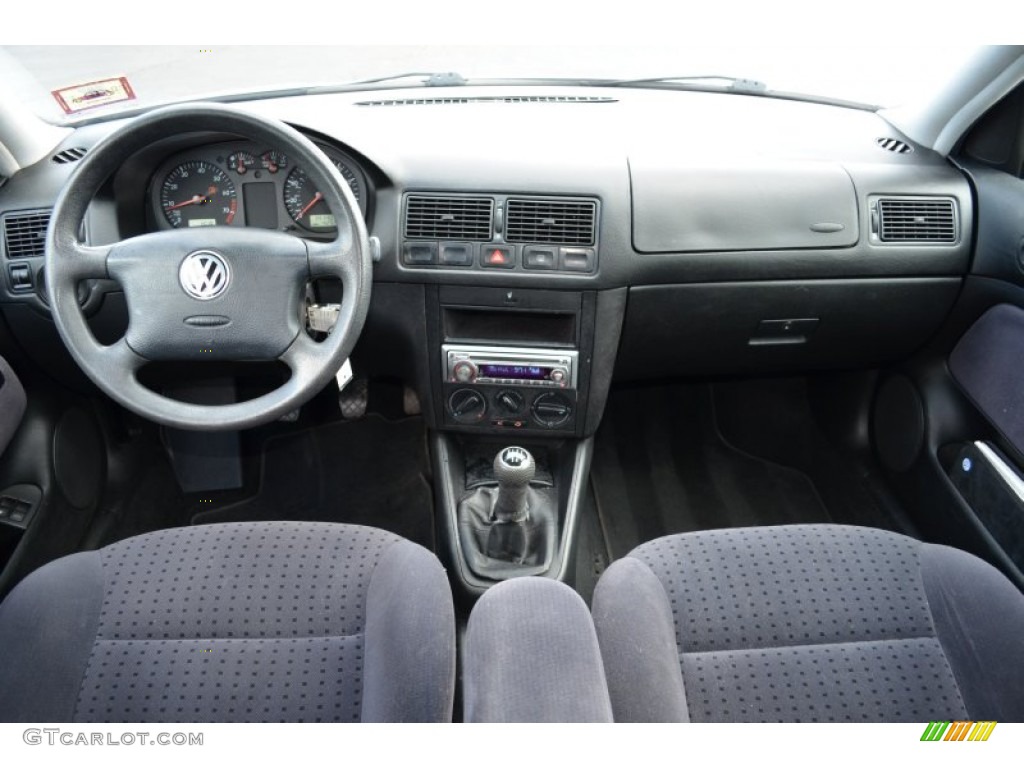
[
  {"x": 551, "y": 222},
  {"x": 449, "y": 218},
  {"x": 25, "y": 234},
  {"x": 917, "y": 220}
]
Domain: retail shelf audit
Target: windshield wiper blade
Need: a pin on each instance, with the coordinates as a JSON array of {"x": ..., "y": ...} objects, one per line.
[{"x": 735, "y": 84}]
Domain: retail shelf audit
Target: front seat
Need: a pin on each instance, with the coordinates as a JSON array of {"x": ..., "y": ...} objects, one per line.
[
  {"x": 274, "y": 621},
  {"x": 809, "y": 623}
]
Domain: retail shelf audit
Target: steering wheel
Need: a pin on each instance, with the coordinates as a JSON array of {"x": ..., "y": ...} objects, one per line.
[{"x": 208, "y": 293}]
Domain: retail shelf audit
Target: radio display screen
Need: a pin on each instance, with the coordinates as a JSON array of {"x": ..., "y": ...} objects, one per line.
[{"x": 526, "y": 372}]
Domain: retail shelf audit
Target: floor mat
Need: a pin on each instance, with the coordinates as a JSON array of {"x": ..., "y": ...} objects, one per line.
[
  {"x": 369, "y": 472},
  {"x": 663, "y": 464}
]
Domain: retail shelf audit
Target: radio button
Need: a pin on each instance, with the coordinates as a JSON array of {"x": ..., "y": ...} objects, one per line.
[{"x": 464, "y": 371}]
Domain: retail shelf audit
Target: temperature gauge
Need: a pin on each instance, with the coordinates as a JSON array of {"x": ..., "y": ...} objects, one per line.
[{"x": 241, "y": 162}]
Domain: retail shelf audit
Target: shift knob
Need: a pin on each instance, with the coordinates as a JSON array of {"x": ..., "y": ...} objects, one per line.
[{"x": 514, "y": 468}]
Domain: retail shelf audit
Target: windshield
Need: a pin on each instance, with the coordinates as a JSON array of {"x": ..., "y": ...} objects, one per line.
[{"x": 73, "y": 83}]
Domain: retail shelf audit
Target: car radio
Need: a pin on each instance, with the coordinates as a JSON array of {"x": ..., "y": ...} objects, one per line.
[
  {"x": 520, "y": 367},
  {"x": 501, "y": 388}
]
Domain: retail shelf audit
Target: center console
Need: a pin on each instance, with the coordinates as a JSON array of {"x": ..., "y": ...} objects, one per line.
[
  {"x": 519, "y": 379},
  {"x": 512, "y": 361}
]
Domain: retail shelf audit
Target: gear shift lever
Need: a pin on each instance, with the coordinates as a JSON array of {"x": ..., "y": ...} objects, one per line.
[
  {"x": 514, "y": 468},
  {"x": 512, "y": 529}
]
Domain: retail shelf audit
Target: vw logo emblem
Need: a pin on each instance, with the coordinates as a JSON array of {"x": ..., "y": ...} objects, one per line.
[{"x": 204, "y": 275}]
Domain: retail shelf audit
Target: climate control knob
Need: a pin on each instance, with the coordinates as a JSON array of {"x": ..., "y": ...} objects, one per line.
[
  {"x": 552, "y": 409},
  {"x": 467, "y": 406},
  {"x": 509, "y": 402}
]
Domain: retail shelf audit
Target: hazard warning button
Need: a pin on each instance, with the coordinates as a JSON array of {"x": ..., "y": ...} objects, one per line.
[{"x": 497, "y": 256}]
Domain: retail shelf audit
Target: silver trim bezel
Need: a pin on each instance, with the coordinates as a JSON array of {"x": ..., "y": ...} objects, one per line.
[{"x": 482, "y": 355}]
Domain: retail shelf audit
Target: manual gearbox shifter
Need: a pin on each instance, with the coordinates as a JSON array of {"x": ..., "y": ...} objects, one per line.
[
  {"x": 508, "y": 527},
  {"x": 514, "y": 468}
]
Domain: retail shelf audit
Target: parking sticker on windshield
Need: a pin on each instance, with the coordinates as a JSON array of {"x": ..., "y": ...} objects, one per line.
[{"x": 98, "y": 93}]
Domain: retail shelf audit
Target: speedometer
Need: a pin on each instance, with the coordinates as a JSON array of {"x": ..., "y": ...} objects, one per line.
[
  {"x": 198, "y": 194},
  {"x": 306, "y": 204}
]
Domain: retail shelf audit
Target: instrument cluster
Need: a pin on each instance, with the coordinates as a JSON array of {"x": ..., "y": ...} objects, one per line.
[{"x": 239, "y": 183}]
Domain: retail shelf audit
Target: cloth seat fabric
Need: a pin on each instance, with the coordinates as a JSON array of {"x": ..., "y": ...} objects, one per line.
[
  {"x": 269, "y": 621},
  {"x": 809, "y": 623}
]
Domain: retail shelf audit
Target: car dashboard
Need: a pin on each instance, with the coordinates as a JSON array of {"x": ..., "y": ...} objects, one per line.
[{"x": 547, "y": 330}]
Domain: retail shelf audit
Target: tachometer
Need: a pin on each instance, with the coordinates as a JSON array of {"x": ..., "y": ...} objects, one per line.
[
  {"x": 198, "y": 194},
  {"x": 306, "y": 205}
]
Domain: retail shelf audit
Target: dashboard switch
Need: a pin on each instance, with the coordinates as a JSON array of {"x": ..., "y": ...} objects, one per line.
[
  {"x": 457, "y": 254},
  {"x": 21, "y": 277},
  {"x": 578, "y": 259},
  {"x": 536, "y": 257},
  {"x": 419, "y": 254},
  {"x": 498, "y": 256}
]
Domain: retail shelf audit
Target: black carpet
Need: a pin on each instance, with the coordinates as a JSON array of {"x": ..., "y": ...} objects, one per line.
[
  {"x": 369, "y": 472},
  {"x": 679, "y": 458}
]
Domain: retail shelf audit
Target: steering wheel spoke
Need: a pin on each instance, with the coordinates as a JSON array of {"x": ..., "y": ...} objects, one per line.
[
  {"x": 302, "y": 355},
  {"x": 121, "y": 357},
  {"x": 85, "y": 262},
  {"x": 329, "y": 259}
]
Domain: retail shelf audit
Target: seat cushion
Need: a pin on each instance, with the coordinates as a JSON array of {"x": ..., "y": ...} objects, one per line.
[
  {"x": 274, "y": 621},
  {"x": 809, "y": 623}
]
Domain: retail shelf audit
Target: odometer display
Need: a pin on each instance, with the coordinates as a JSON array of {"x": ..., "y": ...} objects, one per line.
[{"x": 198, "y": 193}]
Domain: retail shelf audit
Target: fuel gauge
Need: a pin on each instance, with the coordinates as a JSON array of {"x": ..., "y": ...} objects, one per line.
[{"x": 273, "y": 161}]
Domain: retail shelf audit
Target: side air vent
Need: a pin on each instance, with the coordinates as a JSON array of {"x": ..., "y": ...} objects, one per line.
[
  {"x": 449, "y": 218},
  {"x": 917, "y": 220},
  {"x": 894, "y": 145},
  {"x": 25, "y": 234},
  {"x": 69, "y": 155},
  {"x": 487, "y": 100},
  {"x": 552, "y": 222}
]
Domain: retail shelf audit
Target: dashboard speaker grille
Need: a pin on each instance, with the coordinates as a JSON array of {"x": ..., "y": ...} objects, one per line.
[
  {"x": 553, "y": 222},
  {"x": 25, "y": 234},
  {"x": 449, "y": 218},
  {"x": 452, "y": 100},
  {"x": 914, "y": 220}
]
